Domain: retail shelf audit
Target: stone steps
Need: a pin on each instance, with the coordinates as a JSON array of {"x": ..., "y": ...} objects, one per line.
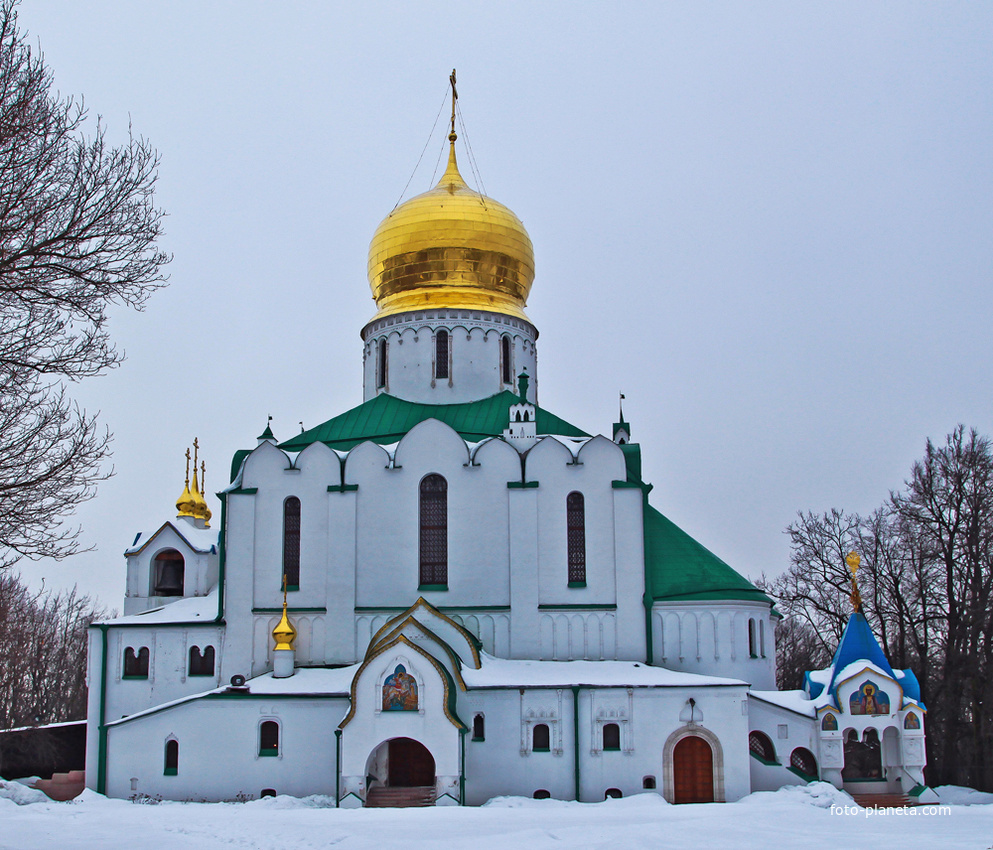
[
  {"x": 883, "y": 801},
  {"x": 382, "y": 797}
]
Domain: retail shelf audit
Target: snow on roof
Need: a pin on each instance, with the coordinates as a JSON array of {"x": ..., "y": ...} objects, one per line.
[
  {"x": 198, "y": 539},
  {"x": 45, "y": 726},
  {"x": 191, "y": 610},
  {"x": 307, "y": 680},
  {"x": 795, "y": 701},
  {"x": 505, "y": 673},
  {"x": 573, "y": 444}
]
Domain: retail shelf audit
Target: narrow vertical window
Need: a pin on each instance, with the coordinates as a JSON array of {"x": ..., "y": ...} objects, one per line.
[
  {"x": 441, "y": 340},
  {"x": 478, "y": 728},
  {"x": 291, "y": 543},
  {"x": 269, "y": 738},
  {"x": 434, "y": 531},
  {"x": 381, "y": 354},
  {"x": 751, "y": 638},
  {"x": 506, "y": 364},
  {"x": 575, "y": 507},
  {"x": 171, "y": 757},
  {"x": 540, "y": 738},
  {"x": 611, "y": 736},
  {"x": 762, "y": 638}
]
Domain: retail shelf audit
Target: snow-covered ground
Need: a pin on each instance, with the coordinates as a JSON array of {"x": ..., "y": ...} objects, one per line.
[{"x": 799, "y": 817}]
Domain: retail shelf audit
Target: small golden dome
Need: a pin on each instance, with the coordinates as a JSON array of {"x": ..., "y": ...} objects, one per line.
[
  {"x": 186, "y": 504},
  {"x": 199, "y": 502},
  {"x": 284, "y": 634},
  {"x": 451, "y": 247}
]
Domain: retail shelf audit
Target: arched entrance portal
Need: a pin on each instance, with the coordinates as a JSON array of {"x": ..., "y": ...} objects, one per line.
[
  {"x": 401, "y": 763},
  {"x": 693, "y": 771}
]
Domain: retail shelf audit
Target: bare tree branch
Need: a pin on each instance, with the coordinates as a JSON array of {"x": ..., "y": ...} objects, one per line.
[{"x": 78, "y": 235}]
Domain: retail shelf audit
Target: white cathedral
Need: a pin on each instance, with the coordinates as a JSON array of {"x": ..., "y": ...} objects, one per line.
[{"x": 448, "y": 593}]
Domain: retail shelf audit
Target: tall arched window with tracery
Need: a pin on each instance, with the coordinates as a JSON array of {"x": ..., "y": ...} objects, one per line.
[
  {"x": 575, "y": 510},
  {"x": 434, "y": 531},
  {"x": 291, "y": 544}
]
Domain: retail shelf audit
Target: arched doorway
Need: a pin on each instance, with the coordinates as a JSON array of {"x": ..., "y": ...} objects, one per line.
[
  {"x": 863, "y": 760},
  {"x": 693, "y": 771},
  {"x": 401, "y": 763}
]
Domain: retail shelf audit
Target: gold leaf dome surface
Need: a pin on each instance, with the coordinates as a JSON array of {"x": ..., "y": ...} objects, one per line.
[{"x": 451, "y": 247}]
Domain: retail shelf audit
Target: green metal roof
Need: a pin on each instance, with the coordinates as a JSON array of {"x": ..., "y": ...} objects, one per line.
[
  {"x": 385, "y": 419},
  {"x": 679, "y": 567}
]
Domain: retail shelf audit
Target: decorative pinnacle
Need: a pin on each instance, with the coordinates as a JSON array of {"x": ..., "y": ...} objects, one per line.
[
  {"x": 284, "y": 634},
  {"x": 853, "y": 560}
]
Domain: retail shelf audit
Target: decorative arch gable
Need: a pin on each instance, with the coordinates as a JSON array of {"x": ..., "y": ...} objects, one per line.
[
  {"x": 849, "y": 687},
  {"x": 449, "y": 696},
  {"x": 365, "y": 457},
  {"x": 409, "y": 627},
  {"x": 162, "y": 539},
  {"x": 265, "y": 460},
  {"x": 606, "y": 454},
  {"x": 319, "y": 460},
  {"x": 495, "y": 450},
  {"x": 456, "y": 636},
  {"x": 547, "y": 452},
  {"x": 439, "y": 438}
]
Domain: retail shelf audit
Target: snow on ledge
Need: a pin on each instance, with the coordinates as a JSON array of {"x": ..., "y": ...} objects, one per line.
[{"x": 507, "y": 673}]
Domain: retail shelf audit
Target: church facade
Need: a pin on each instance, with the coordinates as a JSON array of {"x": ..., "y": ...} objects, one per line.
[{"x": 448, "y": 593}]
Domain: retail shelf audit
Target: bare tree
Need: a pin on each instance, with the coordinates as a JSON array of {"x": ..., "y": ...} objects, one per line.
[
  {"x": 926, "y": 582},
  {"x": 42, "y": 653},
  {"x": 78, "y": 234}
]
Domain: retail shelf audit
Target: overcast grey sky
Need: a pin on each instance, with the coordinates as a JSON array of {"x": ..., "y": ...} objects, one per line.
[{"x": 770, "y": 225}]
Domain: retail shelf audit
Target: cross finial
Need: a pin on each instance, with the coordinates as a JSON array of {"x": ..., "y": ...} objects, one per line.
[
  {"x": 853, "y": 560},
  {"x": 455, "y": 96},
  {"x": 187, "y": 466}
]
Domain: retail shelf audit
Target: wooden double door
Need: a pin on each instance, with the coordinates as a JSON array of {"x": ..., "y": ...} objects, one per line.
[
  {"x": 411, "y": 764},
  {"x": 693, "y": 771}
]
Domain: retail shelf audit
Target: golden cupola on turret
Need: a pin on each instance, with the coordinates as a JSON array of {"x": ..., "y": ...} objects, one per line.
[{"x": 451, "y": 247}]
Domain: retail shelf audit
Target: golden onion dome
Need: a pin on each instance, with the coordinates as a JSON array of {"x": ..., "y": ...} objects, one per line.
[
  {"x": 185, "y": 505},
  {"x": 451, "y": 247},
  {"x": 284, "y": 634}
]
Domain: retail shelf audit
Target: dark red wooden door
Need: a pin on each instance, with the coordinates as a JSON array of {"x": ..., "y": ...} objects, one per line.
[
  {"x": 411, "y": 764},
  {"x": 693, "y": 771}
]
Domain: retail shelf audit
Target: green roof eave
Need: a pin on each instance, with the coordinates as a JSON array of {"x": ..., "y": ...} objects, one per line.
[
  {"x": 385, "y": 419},
  {"x": 680, "y": 568},
  {"x": 754, "y": 595}
]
